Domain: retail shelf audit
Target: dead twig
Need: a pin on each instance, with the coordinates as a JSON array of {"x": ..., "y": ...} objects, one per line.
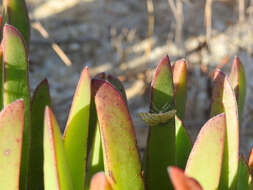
[
  {"x": 208, "y": 19},
  {"x": 38, "y": 26}
]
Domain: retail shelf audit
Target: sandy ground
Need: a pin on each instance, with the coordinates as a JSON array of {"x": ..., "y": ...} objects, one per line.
[{"x": 111, "y": 35}]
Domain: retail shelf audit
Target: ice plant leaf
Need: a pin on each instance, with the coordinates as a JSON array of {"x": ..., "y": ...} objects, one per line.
[
  {"x": 179, "y": 70},
  {"x": 182, "y": 182},
  {"x": 250, "y": 160},
  {"x": 56, "y": 170},
  {"x": 40, "y": 99},
  {"x": 160, "y": 151},
  {"x": 99, "y": 182},
  {"x": 238, "y": 80},
  {"x": 223, "y": 100},
  {"x": 183, "y": 144},
  {"x": 15, "y": 13},
  {"x": 11, "y": 132},
  {"x": 114, "y": 81},
  {"x": 16, "y": 87},
  {"x": 1, "y": 79},
  {"x": 244, "y": 179},
  {"x": 76, "y": 131},
  {"x": 205, "y": 160},
  {"x": 122, "y": 162}
]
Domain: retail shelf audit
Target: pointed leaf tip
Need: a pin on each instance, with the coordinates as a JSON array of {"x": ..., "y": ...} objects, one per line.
[
  {"x": 100, "y": 182},
  {"x": 205, "y": 160},
  {"x": 182, "y": 182}
]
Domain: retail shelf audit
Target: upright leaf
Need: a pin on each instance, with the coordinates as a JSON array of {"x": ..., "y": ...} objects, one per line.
[
  {"x": 76, "y": 131},
  {"x": 223, "y": 100},
  {"x": 56, "y": 169},
  {"x": 183, "y": 141},
  {"x": 205, "y": 161},
  {"x": 16, "y": 86},
  {"x": 99, "y": 182},
  {"x": 15, "y": 13},
  {"x": 250, "y": 161},
  {"x": 122, "y": 163},
  {"x": 40, "y": 99},
  {"x": 238, "y": 81},
  {"x": 11, "y": 133},
  {"x": 160, "y": 151},
  {"x": 181, "y": 181},
  {"x": 179, "y": 71},
  {"x": 1, "y": 79},
  {"x": 244, "y": 178},
  {"x": 183, "y": 144}
]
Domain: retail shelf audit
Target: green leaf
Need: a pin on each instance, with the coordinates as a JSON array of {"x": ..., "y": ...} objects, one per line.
[
  {"x": 223, "y": 100},
  {"x": 40, "y": 99},
  {"x": 1, "y": 79},
  {"x": 181, "y": 181},
  {"x": 244, "y": 179},
  {"x": 161, "y": 149},
  {"x": 183, "y": 144},
  {"x": 99, "y": 182},
  {"x": 56, "y": 170},
  {"x": 76, "y": 131},
  {"x": 205, "y": 160},
  {"x": 11, "y": 133},
  {"x": 122, "y": 163},
  {"x": 238, "y": 81},
  {"x": 15, "y": 13},
  {"x": 16, "y": 87},
  {"x": 179, "y": 71}
]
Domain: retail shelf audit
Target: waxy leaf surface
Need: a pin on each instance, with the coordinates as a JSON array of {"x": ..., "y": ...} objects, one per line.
[
  {"x": 182, "y": 182},
  {"x": 76, "y": 131},
  {"x": 160, "y": 151},
  {"x": 56, "y": 170},
  {"x": 99, "y": 182},
  {"x": 244, "y": 179},
  {"x": 15, "y": 13},
  {"x": 238, "y": 80},
  {"x": 11, "y": 133},
  {"x": 16, "y": 86},
  {"x": 122, "y": 162},
  {"x": 40, "y": 99},
  {"x": 205, "y": 160},
  {"x": 223, "y": 100}
]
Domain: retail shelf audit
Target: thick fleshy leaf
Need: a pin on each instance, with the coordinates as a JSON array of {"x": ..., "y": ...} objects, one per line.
[
  {"x": 179, "y": 70},
  {"x": 76, "y": 131},
  {"x": 250, "y": 160},
  {"x": 16, "y": 86},
  {"x": 244, "y": 179},
  {"x": 1, "y": 79},
  {"x": 160, "y": 151},
  {"x": 99, "y": 182},
  {"x": 205, "y": 160},
  {"x": 40, "y": 99},
  {"x": 122, "y": 162},
  {"x": 11, "y": 133},
  {"x": 114, "y": 81},
  {"x": 238, "y": 81},
  {"x": 56, "y": 170},
  {"x": 183, "y": 144},
  {"x": 223, "y": 100},
  {"x": 182, "y": 182},
  {"x": 15, "y": 13}
]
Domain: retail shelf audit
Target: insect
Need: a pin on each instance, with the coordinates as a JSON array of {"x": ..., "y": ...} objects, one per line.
[{"x": 157, "y": 117}]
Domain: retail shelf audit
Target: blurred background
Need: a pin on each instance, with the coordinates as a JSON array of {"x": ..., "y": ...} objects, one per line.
[{"x": 128, "y": 38}]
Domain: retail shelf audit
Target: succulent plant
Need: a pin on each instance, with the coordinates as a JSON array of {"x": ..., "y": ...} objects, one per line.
[{"x": 98, "y": 149}]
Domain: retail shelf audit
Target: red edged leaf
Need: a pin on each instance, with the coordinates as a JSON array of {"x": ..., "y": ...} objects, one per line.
[
  {"x": 122, "y": 162},
  {"x": 56, "y": 169},
  {"x": 205, "y": 160},
  {"x": 76, "y": 131},
  {"x": 182, "y": 182},
  {"x": 250, "y": 160},
  {"x": 11, "y": 134},
  {"x": 223, "y": 100},
  {"x": 99, "y": 182},
  {"x": 244, "y": 179}
]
